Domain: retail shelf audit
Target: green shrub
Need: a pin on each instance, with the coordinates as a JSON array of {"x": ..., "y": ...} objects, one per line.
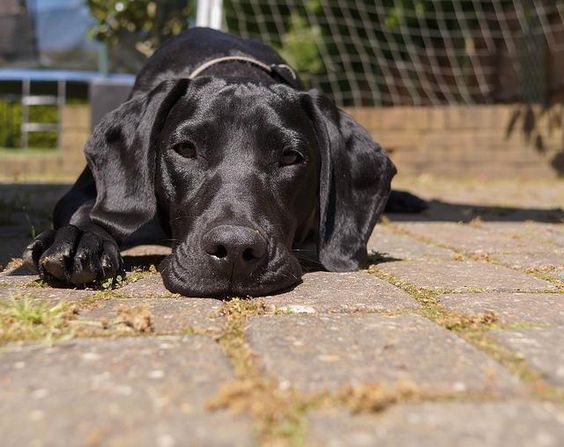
[{"x": 11, "y": 120}]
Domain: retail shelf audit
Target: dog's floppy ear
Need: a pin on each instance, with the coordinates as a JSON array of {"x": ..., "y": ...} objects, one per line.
[
  {"x": 355, "y": 180},
  {"x": 121, "y": 155}
]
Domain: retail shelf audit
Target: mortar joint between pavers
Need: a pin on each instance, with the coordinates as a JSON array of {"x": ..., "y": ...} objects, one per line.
[
  {"x": 284, "y": 423},
  {"x": 277, "y": 415},
  {"x": 544, "y": 274},
  {"x": 474, "y": 329},
  {"x": 462, "y": 255},
  {"x": 459, "y": 254}
]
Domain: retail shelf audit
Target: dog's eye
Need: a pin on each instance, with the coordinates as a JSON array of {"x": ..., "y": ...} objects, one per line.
[
  {"x": 186, "y": 149},
  {"x": 291, "y": 157}
]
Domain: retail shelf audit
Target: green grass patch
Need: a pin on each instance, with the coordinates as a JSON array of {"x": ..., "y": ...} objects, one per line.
[{"x": 22, "y": 318}]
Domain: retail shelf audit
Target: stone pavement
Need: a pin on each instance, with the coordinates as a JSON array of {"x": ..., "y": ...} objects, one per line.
[{"x": 454, "y": 335}]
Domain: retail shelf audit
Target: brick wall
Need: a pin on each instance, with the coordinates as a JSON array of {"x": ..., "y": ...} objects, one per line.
[
  {"x": 490, "y": 141},
  {"x": 62, "y": 165},
  {"x": 76, "y": 130}
]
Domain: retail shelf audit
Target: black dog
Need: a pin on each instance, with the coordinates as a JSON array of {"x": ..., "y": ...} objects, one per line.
[{"x": 241, "y": 167}]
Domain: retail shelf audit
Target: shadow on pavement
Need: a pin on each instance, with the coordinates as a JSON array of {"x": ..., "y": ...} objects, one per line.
[
  {"x": 25, "y": 209},
  {"x": 462, "y": 212}
]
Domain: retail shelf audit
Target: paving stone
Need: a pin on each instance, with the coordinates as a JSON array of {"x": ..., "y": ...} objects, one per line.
[
  {"x": 151, "y": 391},
  {"x": 547, "y": 234},
  {"x": 557, "y": 273},
  {"x": 342, "y": 292},
  {"x": 147, "y": 250},
  {"x": 145, "y": 391},
  {"x": 168, "y": 315},
  {"x": 541, "y": 348},
  {"x": 469, "y": 238},
  {"x": 387, "y": 243},
  {"x": 462, "y": 424},
  {"x": 151, "y": 286},
  {"x": 492, "y": 237},
  {"x": 16, "y": 277},
  {"x": 532, "y": 260},
  {"x": 144, "y": 256},
  {"x": 319, "y": 352},
  {"x": 464, "y": 276},
  {"x": 542, "y": 308},
  {"x": 517, "y": 245},
  {"x": 47, "y": 294}
]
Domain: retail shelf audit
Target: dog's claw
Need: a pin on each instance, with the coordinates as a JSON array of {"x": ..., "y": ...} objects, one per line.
[
  {"x": 35, "y": 249},
  {"x": 72, "y": 257}
]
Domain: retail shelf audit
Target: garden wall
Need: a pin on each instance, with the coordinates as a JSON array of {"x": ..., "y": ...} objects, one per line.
[
  {"x": 481, "y": 140},
  {"x": 53, "y": 165},
  {"x": 476, "y": 141}
]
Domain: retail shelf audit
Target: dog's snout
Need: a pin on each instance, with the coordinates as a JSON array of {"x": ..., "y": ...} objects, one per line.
[{"x": 237, "y": 245}]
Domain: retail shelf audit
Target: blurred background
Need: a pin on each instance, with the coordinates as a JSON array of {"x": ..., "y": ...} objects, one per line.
[{"x": 449, "y": 87}]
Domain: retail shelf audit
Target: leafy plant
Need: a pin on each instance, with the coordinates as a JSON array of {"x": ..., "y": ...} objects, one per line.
[
  {"x": 150, "y": 21},
  {"x": 112, "y": 283},
  {"x": 299, "y": 46}
]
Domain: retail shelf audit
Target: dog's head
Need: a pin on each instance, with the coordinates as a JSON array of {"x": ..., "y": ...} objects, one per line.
[{"x": 241, "y": 174}]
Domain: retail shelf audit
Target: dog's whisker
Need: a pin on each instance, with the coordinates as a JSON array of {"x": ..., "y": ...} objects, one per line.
[
  {"x": 171, "y": 240},
  {"x": 288, "y": 275},
  {"x": 311, "y": 260}
]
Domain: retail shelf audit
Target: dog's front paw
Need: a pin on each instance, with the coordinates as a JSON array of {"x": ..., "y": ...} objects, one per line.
[{"x": 72, "y": 256}]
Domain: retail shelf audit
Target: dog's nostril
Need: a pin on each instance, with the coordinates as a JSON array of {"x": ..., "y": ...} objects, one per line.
[
  {"x": 249, "y": 255},
  {"x": 241, "y": 248},
  {"x": 219, "y": 252}
]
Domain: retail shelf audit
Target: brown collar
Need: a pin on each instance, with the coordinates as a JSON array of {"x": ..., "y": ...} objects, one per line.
[{"x": 274, "y": 69}]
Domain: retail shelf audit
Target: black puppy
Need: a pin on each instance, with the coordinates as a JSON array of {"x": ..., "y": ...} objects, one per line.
[{"x": 240, "y": 167}]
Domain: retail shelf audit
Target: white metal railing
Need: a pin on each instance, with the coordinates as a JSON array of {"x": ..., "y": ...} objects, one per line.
[{"x": 29, "y": 100}]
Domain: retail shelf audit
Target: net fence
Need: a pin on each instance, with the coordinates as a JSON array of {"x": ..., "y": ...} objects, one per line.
[{"x": 415, "y": 52}]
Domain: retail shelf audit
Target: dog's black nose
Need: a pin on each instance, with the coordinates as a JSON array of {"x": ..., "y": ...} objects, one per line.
[{"x": 243, "y": 247}]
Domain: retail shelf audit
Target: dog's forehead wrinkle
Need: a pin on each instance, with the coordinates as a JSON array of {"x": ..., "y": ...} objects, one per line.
[
  {"x": 246, "y": 88},
  {"x": 246, "y": 96},
  {"x": 252, "y": 130},
  {"x": 245, "y": 112}
]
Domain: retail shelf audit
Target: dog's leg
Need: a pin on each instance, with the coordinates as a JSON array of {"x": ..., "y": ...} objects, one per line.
[
  {"x": 405, "y": 202},
  {"x": 76, "y": 252}
]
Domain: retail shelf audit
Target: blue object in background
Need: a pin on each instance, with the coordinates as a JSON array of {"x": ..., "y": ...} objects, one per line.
[
  {"x": 53, "y": 16},
  {"x": 61, "y": 29},
  {"x": 17, "y": 74}
]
